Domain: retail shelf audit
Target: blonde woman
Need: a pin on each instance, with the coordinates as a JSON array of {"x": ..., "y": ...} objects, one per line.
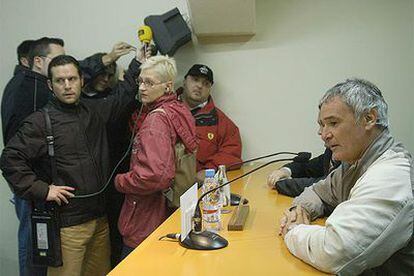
[{"x": 152, "y": 166}]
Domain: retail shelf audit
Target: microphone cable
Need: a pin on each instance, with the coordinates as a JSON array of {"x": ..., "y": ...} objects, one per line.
[
  {"x": 131, "y": 140},
  {"x": 171, "y": 237}
]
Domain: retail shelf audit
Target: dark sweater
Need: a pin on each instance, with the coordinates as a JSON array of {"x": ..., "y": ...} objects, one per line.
[{"x": 305, "y": 174}]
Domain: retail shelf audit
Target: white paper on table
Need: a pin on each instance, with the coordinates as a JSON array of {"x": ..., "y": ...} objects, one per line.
[{"x": 188, "y": 203}]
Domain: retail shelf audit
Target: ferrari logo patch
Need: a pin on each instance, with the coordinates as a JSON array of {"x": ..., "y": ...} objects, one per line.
[{"x": 210, "y": 136}]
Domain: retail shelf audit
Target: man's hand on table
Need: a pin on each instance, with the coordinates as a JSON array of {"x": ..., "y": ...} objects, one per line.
[
  {"x": 277, "y": 175},
  {"x": 293, "y": 217}
]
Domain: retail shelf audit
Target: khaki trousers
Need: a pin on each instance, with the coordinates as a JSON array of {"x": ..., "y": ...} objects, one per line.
[{"x": 85, "y": 249}]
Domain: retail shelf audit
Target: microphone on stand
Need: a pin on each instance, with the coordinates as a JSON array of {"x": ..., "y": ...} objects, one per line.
[
  {"x": 238, "y": 164},
  {"x": 235, "y": 198},
  {"x": 206, "y": 240}
]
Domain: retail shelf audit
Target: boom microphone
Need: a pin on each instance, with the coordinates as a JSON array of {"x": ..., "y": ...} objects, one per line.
[{"x": 303, "y": 155}]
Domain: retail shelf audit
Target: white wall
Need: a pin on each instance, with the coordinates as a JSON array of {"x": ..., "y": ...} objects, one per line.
[
  {"x": 412, "y": 94},
  {"x": 270, "y": 85}
]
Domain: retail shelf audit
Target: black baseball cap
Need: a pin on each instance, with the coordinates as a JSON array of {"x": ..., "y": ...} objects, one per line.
[{"x": 198, "y": 70}]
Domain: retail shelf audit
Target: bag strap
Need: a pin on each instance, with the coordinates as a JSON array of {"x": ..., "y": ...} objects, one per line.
[
  {"x": 50, "y": 140},
  {"x": 168, "y": 192}
]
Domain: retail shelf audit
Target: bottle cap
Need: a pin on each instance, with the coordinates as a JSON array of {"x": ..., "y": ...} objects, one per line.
[{"x": 210, "y": 172}]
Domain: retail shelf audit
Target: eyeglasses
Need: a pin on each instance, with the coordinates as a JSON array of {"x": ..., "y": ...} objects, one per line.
[{"x": 148, "y": 83}]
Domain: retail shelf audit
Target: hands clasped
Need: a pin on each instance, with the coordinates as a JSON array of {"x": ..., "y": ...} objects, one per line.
[{"x": 293, "y": 217}]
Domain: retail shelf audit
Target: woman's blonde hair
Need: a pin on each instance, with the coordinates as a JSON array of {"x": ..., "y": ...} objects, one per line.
[{"x": 164, "y": 66}]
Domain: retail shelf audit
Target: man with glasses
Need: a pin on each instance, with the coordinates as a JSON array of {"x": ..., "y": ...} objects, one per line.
[
  {"x": 25, "y": 93},
  {"x": 219, "y": 137}
]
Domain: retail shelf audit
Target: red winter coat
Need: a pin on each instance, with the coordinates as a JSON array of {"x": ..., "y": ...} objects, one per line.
[
  {"x": 219, "y": 138},
  {"x": 152, "y": 168}
]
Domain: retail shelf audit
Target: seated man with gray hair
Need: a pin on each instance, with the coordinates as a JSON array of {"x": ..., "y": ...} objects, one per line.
[{"x": 370, "y": 230}]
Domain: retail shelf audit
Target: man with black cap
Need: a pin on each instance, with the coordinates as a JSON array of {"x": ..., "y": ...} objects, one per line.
[{"x": 219, "y": 137}]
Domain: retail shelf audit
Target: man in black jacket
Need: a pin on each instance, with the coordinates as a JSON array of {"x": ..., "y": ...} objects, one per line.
[
  {"x": 81, "y": 150},
  {"x": 294, "y": 177},
  {"x": 25, "y": 93},
  {"x": 98, "y": 87},
  {"x": 23, "y": 51}
]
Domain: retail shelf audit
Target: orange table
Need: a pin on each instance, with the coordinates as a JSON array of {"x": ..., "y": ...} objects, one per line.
[{"x": 257, "y": 250}]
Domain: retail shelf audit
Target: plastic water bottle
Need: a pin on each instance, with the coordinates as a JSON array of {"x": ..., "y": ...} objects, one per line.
[
  {"x": 211, "y": 203},
  {"x": 224, "y": 191}
]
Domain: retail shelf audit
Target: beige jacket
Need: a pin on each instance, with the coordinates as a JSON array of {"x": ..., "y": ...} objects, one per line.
[{"x": 370, "y": 230}]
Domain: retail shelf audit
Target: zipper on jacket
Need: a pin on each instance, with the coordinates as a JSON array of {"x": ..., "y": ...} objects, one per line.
[
  {"x": 35, "y": 96},
  {"x": 128, "y": 222},
  {"x": 85, "y": 138}
]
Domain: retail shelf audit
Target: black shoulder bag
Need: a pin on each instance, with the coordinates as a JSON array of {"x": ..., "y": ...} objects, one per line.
[{"x": 45, "y": 217}]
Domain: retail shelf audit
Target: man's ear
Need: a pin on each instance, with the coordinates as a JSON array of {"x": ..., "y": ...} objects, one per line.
[
  {"x": 49, "y": 83},
  {"x": 37, "y": 64},
  {"x": 82, "y": 81},
  {"x": 24, "y": 61},
  {"x": 371, "y": 118}
]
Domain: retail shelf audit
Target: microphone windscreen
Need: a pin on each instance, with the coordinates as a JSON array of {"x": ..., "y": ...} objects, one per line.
[
  {"x": 302, "y": 157},
  {"x": 145, "y": 34}
]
